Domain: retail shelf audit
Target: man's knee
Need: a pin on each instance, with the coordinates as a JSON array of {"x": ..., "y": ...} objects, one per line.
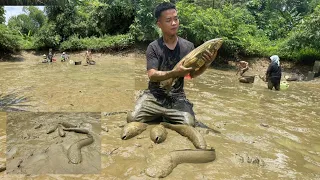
[
  {"x": 189, "y": 119},
  {"x": 130, "y": 117}
]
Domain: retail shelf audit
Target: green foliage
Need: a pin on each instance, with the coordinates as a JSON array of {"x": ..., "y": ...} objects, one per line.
[
  {"x": 36, "y": 15},
  {"x": 2, "y": 17},
  {"x": 47, "y": 37},
  {"x": 29, "y": 23},
  {"x": 235, "y": 24},
  {"x": 67, "y": 20},
  {"x": 28, "y": 43},
  {"x": 277, "y": 18},
  {"x": 303, "y": 43},
  {"x": 97, "y": 44},
  {"x": 144, "y": 27},
  {"x": 8, "y": 40},
  {"x": 289, "y": 28},
  {"x": 112, "y": 18}
]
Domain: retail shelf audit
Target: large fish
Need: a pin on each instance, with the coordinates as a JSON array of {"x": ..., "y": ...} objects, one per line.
[{"x": 194, "y": 59}]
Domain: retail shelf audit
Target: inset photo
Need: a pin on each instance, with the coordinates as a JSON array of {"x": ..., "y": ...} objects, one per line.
[{"x": 53, "y": 143}]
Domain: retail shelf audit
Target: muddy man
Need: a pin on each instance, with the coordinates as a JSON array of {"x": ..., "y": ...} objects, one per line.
[
  {"x": 162, "y": 55},
  {"x": 243, "y": 66}
]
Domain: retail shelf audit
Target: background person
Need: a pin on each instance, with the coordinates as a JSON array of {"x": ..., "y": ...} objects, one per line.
[
  {"x": 273, "y": 74},
  {"x": 243, "y": 66}
]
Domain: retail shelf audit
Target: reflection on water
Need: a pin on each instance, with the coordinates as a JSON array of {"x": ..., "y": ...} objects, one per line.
[{"x": 279, "y": 128}]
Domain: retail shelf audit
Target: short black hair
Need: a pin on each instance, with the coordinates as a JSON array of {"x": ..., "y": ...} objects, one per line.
[{"x": 162, "y": 7}]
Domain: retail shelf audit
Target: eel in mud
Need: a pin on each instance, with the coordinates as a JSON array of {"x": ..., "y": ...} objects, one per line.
[
  {"x": 67, "y": 125},
  {"x": 188, "y": 131},
  {"x": 194, "y": 59},
  {"x": 158, "y": 134},
  {"x": 74, "y": 151},
  {"x": 52, "y": 129},
  {"x": 61, "y": 131},
  {"x": 163, "y": 166},
  {"x": 77, "y": 130},
  {"x": 132, "y": 129}
]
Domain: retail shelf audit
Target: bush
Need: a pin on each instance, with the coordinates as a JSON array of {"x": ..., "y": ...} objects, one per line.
[
  {"x": 47, "y": 37},
  {"x": 9, "y": 40},
  {"x": 236, "y": 25},
  {"x": 144, "y": 27},
  {"x": 303, "y": 43},
  {"x": 103, "y": 43},
  {"x": 27, "y": 43}
]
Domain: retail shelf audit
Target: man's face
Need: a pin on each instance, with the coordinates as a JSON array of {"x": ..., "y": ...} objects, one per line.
[{"x": 168, "y": 22}]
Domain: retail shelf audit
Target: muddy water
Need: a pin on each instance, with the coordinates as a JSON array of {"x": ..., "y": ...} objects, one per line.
[
  {"x": 263, "y": 134},
  {"x": 62, "y": 87},
  {"x": 279, "y": 128}
]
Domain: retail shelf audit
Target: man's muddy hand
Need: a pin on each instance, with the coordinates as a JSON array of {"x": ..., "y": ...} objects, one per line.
[
  {"x": 209, "y": 57},
  {"x": 182, "y": 71}
]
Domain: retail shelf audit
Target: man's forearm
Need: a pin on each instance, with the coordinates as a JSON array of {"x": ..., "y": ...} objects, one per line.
[{"x": 156, "y": 76}]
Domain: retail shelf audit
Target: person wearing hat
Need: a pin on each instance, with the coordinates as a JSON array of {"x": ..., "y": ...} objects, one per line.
[
  {"x": 44, "y": 58},
  {"x": 64, "y": 57},
  {"x": 273, "y": 74}
]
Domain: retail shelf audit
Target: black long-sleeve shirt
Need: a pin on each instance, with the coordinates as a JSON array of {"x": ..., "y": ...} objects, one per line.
[{"x": 273, "y": 71}]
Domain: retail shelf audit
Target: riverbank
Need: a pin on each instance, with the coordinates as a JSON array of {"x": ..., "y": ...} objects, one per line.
[{"x": 257, "y": 65}]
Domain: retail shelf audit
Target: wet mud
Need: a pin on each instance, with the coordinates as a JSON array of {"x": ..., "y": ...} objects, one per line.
[
  {"x": 32, "y": 150},
  {"x": 263, "y": 134}
]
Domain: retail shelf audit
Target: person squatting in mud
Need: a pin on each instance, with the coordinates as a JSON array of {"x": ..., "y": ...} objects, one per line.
[
  {"x": 88, "y": 56},
  {"x": 162, "y": 55},
  {"x": 243, "y": 66}
]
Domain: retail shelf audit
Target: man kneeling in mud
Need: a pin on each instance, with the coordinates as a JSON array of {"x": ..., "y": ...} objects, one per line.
[{"x": 162, "y": 55}]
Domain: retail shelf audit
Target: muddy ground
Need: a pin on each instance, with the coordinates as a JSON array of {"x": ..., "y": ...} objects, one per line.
[{"x": 262, "y": 134}]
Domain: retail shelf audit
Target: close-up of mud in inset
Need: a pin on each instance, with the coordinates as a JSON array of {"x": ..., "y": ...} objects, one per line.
[{"x": 53, "y": 143}]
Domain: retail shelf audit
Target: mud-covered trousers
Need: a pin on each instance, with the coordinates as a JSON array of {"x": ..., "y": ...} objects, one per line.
[
  {"x": 274, "y": 82},
  {"x": 174, "y": 110}
]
